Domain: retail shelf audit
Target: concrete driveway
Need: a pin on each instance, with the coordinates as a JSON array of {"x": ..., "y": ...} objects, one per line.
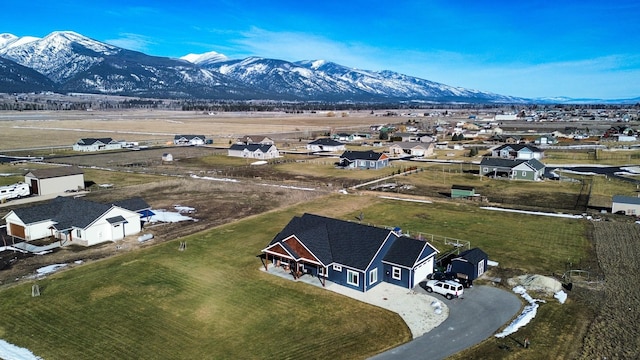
[{"x": 473, "y": 318}]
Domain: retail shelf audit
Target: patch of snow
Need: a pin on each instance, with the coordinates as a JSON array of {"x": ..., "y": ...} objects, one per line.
[
  {"x": 212, "y": 178},
  {"x": 492, "y": 263},
  {"x": 290, "y": 187},
  {"x": 261, "y": 162},
  {"x": 569, "y": 216},
  {"x": 168, "y": 216},
  {"x": 184, "y": 209},
  {"x": 403, "y": 199},
  {"x": 528, "y": 313},
  {"x": 49, "y": 269},
  {"x": 561, "y": 296},
  {"x": 13, "y": 352},
  {"x": 106, "y": 185}
]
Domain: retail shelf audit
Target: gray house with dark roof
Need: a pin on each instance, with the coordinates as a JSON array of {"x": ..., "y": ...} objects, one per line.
[
  {"x": 325, "y": 144},
  {"x": 253, "y": 151},
  {"x": 350, "y": 254},
  {"x": 363, "y": 160},
  {"x": 73, "y": 221},
  {"x": 513, "y": 169}
]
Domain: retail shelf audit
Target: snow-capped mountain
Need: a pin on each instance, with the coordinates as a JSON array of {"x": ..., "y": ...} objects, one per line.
[{"x": 75, "y": 63}]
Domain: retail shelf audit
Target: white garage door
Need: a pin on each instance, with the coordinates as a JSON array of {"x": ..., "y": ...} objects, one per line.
[{"x": 422, "y": 271}]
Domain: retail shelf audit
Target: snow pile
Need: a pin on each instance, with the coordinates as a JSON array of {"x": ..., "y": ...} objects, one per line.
[
  {"x": 168, "y": 216},
  {"x": 184, "y": 209},
  {"x": 212, "y": 178},
  {"x": 538, "y": 283},
  {"x": 561, "y": 296},
  {"x": 10, "y": 351},
  {"x": 437, "y": 307},
  {"x": 49, "y": 269},
  {"x": 568, "y": 216},
  {"x": 528, "y": 313}
]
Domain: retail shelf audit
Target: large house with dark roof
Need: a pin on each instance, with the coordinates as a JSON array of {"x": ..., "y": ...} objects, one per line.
[
  {"x": 55, "y": 180},
  {"x": 512, "y": 169},
  {"x": 351, "y": 254},
  {"x": 325, "y": 144},
  {"x": 76, "y": 221},
  {"x": 253, "y": 151},
  {"x": 518, "y": 151},
  {"x": 363, "y": 160},
  {"x": 97, "y": 144}
]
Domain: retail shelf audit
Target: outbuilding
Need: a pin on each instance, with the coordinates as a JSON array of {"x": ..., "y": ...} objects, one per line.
[
  {"x": 472, "y": 263},
  {"x": 630, "y": 205},
  {"x": 462, "y": 191},
  {"x": 55, "y": 180}
]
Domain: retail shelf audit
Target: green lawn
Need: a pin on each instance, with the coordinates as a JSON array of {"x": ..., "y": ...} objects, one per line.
[{"x": 212, "y": 302}]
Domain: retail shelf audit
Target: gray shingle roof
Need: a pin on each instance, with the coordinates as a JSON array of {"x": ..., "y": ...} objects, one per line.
[
  {"x": 55, "y": 172},
  {"x": 67, "y": 212},
  {"x": 91, "y": 141},
  {"x": 361, "y": 155},
  {"x": 473, "y": 256},
  {"x": 251, "y": 147},
  {"x": 136, "y": 204},
  {"x": 621, "y": 199},
  {"x": 332, "y": 240},
  {"x": 406, "y": 251},
  {"x": 326, "y": 142}
]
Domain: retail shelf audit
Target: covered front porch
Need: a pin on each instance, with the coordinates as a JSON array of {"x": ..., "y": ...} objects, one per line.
[{"x": 299, "y": 270}]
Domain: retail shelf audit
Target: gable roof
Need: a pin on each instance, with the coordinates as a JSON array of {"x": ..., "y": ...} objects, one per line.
[
  {"x": 408, "y": 145},
  {"x": 188, "y": 137},
  {"x": 91, "y": 141},
  {"x": 55, "y": 172},
  {"x": 362, "y": 155},
  {"x": 518, "y": 148},
  {"x": 136, "y": 204},
  {"x": 407, "y": 251},
  {"x": 334, "y": 241},
  {"x": 621, "y": 199},
  {"x": 534, "y": 164},
  {"x": 251, "y": 147},
  {"x": 474, "y": 256},
  {"x": 326, "y": 142},
  {"x": 67, "y": 212}
]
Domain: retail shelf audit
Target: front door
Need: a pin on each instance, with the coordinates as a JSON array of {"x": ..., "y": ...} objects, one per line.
[{"x": 34, "y": 187}]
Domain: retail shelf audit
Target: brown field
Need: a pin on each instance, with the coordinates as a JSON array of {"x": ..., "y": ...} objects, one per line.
[
  {"x": 48, "y": 129},
  {"x": 607, "y": 317}
]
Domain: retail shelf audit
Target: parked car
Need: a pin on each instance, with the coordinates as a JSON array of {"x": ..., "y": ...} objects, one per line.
[
  {"x": 438, "y": 275},
  {"x": 448, "y": 288}
]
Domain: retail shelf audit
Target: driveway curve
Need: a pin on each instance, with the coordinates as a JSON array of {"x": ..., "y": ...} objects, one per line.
[{"x": 473, "y": 318}]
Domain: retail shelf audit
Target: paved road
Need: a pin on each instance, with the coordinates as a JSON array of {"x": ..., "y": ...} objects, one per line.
[{"x": 474, "y": 317}]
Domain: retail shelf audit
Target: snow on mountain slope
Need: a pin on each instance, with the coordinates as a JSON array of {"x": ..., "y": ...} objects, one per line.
[{"x": 205, "y": 59}]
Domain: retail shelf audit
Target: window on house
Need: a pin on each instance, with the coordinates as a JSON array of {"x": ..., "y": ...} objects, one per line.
[
  {"x": 352, "y": 278},
  {"x": 373, "y": 276},
  {"x": 524, "y": 173},
  {"x": 322, "y": 271},
  {"x": 396, "y": 273},
  {"x": 485, "y": 170},
  {"x": 337, "y": 267},
  {"x": 78, "y": 233}
]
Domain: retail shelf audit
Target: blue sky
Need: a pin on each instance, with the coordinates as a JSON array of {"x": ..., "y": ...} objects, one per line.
[{"x": 579, "y": 49}]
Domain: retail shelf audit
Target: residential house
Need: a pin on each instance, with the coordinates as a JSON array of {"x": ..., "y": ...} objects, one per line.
[
  {"x": 545, "y": 140},
  {"x": 346, "y": 137},
  {"x": 189, "y": 140},
  {"x": 399, "y": 149},
  {"x": 514, "y": 169},
  {"x": 326, "y": 144},
  {"x": 254, "y": 151},
  {"x": 97, "y": 144},
  {"x": 55, "y": 180},
  {"x": 363, "y": 160},
  {"x": 353, "y": 255},
  {"x": 630, "y": 205},
  {"x": 517, "y": 151},
  {"x": 414, "y": 137},
  {"x": 256, "y": 139},
  {"x": 73, "y": 221},
  {"x": 471, "y": 264},
  {"x": 512, "y": 139}
]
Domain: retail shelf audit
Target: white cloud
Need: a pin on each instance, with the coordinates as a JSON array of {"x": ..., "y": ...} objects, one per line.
[{"x": 132, "y": 41}]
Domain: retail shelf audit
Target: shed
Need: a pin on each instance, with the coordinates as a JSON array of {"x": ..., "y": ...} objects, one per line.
[
  {"x": 471, "y": 263},
  {"x": 630, "y": 205},
  {"x": 461, "y": 191},
  {"x": 55, "y": 180}
]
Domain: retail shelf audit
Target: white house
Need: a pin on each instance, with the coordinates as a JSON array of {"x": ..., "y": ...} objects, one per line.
[
  {"x": 256, "y": 139},
  {"x": 55, "y": 180},
  {"x": 93, "y": 144},
  {"x": 73, "y": 221},
  {"x": 190, "y": 140},
  {"x": 254, "y": 151},
  {"x": 630, "y": 205},
  {"x": 326, "y": 144},
  {"x": 411, "y": 148}
]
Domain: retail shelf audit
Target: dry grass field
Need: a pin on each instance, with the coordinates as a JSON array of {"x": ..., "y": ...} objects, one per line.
[
  {"x": 48, "y": 129},
  {"x": 587, "y": 321}
]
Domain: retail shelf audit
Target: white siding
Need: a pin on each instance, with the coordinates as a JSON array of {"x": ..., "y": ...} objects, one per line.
[{"x": 58, "y": 185}]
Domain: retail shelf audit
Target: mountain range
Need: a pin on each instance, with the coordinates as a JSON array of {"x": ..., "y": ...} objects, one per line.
[{"x": 65, "y": 61}]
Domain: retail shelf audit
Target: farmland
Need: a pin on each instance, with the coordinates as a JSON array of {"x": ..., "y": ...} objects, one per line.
[{"x": 150, "y": 299}]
